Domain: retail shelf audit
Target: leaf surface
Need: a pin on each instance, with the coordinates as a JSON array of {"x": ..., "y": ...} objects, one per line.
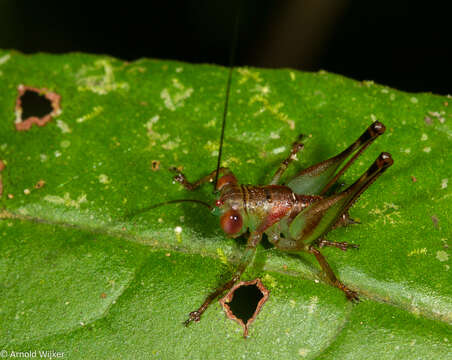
[{"x": 79, "y": 277}]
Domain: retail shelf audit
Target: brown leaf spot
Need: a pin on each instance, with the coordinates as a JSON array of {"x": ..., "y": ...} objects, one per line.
[
  {"x": 155, "y": 165},
  {"x": 40, "y": 184},
  {"x": 35, "y": 106},
  {"x": 253, "y": 285},
  {"x": 435, "y": 221}
]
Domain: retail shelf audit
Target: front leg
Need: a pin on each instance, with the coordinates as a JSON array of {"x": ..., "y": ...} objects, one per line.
[
  {"x": 180, "y": 178},
  {"x": 246, "y": 259}
]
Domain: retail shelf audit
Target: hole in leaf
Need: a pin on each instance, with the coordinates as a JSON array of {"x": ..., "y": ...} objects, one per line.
[
  {"x": 244, "y": 302},
  {"x": 34, "y": 104}
]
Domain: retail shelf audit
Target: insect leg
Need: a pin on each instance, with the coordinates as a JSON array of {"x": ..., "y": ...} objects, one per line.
[
  {"x": 318, "y": 218},
  {"x": 345, "y": 220},
  {"x": 317, "y": 179},
  {"x": 296, "y": 147},
  {"x": 338, "y": 244},
  {"x": 180, "y": 178},
  {"x": 246, "y": 259},
  {"x": 350, "y": 294}
]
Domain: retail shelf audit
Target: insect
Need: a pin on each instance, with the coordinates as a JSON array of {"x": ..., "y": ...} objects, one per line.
[{"x": 296, "y": 216}]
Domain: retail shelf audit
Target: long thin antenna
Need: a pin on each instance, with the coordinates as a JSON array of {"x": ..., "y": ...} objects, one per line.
[
  {"x": 228, "y": 87},
  {"x": 143, "y": 210}
]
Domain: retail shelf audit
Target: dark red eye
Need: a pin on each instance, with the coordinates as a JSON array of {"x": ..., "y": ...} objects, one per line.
[{"x": 231, "y": 222}]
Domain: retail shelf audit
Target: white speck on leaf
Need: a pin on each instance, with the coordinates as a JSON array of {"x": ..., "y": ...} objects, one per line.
[
  {"x": 303, "y": 352},
  {"x": 211, "y": 123},
  {"x": 247, "y": 74},
  {"x": 103, "y": 179},
  {"x": 176, "y": 97},
  {"x": 153, "y": 135},
  {"x": 444, "y": 183},
  {"x": 273, "y": 109},
  {"x": 422, "y": 251},
  {"x": 279, "y": 150},
  {"x": 172, "y": 144},
  {"x": 96, "y": 111},
  {"x": 427, "y": 149},
  {"x": 66, "y": 200},
  {"x": 424, "y": 137},
  {"x": 314, "y": 300},
  {"x": 65, "y": 129},
  {"x": 99, "y": 78},
  {"x": 441, "y": 255},
  {"x": 264, "y": 90},
  {"x": 4, "y": 59}
]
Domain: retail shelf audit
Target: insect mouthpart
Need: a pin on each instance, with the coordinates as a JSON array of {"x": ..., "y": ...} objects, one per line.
[{"x": 216, "y": 211}]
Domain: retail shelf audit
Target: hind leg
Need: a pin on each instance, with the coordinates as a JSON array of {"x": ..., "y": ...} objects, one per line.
[
  {"x": 344, "y": 246},
  {"x": 350, "y": 294},
  {"x": 318, "y": 179}
]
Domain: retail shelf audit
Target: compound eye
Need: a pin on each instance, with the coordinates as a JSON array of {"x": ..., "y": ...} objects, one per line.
[{"x": 231, "y": 222}]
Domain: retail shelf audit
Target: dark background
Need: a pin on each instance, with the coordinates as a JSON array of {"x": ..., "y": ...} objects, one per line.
[{"x": 406, "y": 45}]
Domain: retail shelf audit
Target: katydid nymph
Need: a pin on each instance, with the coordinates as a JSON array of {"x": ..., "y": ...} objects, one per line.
[{"x": 296, "y": 216}]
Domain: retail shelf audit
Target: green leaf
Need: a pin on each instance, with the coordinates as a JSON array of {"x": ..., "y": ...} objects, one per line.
[{"x": 77, "y": 277}]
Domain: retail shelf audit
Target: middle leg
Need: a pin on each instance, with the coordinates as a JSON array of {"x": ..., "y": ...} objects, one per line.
[{"x": 296, "y": 147}]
